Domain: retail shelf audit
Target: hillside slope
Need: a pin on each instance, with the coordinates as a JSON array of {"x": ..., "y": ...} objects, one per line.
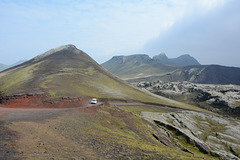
[
  {"x": 63, "y": 71},
  {"x": 67, "y": 72}
]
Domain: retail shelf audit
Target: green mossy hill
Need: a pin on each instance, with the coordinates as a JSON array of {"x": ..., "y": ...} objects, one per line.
[
  {"x": 68, "y": 71},
  {"x": 63, "y": 71}
]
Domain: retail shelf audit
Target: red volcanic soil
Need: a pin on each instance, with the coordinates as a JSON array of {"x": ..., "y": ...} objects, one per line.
[{"x": 41, "y": 101}]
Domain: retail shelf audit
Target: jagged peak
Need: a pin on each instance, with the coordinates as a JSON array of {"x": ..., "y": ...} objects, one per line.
[
  {"x": 54, "y": 50},
  {"x": 161, "y": 56}
]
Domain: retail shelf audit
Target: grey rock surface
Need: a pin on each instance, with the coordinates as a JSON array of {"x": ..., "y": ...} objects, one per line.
[{"x": 216, "y": 135}]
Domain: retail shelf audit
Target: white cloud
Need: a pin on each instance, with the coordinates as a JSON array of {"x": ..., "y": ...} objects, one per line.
[
  {"x": 210, "y": 4},
  {"x": 212, "y": 37},
  {"x": 130, "y": 25},
  {"x": 111, "y": 27}
]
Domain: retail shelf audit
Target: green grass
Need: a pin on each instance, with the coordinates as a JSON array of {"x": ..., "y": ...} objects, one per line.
[
  {"x": 53, "y": 92},
  {"x": 43, "y": 84},
  {"x": 16, "y": 78}
]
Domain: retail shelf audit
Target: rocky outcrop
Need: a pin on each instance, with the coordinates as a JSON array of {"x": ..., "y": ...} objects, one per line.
[
  {"x": 224, "y": 98},
  {"x": 210, "y": 134}
]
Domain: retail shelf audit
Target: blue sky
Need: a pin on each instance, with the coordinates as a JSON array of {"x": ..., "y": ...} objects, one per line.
[{"x": 206, "y": 29}]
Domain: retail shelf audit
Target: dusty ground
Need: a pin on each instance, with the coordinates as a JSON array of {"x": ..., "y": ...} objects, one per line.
[{"x": 92, "y": 132}]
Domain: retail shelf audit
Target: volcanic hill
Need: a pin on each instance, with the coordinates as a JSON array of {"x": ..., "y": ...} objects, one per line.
[{"x": 63, "y": 75}]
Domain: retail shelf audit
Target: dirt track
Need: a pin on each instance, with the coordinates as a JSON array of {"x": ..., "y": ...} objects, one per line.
[{"x": 36, "y": 114}]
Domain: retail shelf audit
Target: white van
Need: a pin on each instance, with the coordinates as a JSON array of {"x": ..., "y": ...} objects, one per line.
[{"x": 94, "y": 101}]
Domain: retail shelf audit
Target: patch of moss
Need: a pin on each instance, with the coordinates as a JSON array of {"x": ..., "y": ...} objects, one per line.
[
  {"x": 52, "y": 92},
  {"x": 44, "y": 84},
  {"x": 90, "y": 71},
  {"x": 17, "y": 78}
]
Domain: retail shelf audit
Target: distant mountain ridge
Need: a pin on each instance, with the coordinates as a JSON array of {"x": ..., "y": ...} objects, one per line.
[
  {"x": 183, "y": 60},
  {"x": 3, "y": 67},
  {"x": 137, "y": 65},
  {"x": 138, "y": 58},
  {"x": 141, "y": 66}
]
